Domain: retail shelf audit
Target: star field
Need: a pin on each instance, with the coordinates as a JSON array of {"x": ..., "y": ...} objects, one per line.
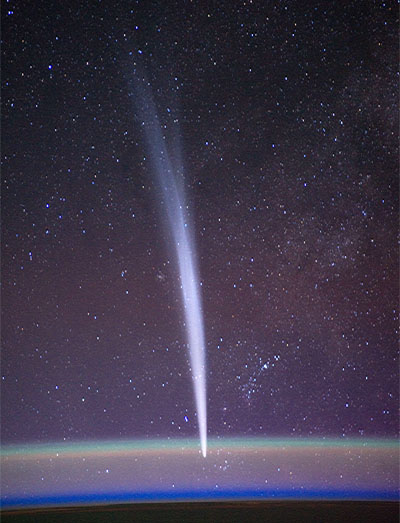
[{"x": 284, "y": 116}]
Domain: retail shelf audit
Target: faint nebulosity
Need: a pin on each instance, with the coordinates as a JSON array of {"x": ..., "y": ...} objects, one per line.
[{"x": 284, "y": 118}]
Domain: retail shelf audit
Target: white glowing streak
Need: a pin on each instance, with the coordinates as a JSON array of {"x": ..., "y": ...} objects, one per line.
[
  {"x": 190, "y": 285},
  {"x": 194, "y": 320}
]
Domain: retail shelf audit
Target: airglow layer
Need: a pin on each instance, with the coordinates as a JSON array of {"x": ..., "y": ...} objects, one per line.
[{"x": 173, "y": 469}]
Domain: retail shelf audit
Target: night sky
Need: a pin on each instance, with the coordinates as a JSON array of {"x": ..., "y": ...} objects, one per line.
[{"x": 284, "y": 118}]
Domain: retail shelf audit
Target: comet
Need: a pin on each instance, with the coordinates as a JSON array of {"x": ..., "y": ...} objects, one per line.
[{"x": 169, "y": 178}]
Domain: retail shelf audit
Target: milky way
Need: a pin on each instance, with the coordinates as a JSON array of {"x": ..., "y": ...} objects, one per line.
[{"x": 258, "y": 163}]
